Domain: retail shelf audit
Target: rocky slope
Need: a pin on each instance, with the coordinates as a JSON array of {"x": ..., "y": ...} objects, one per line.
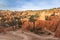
[
  {"x": 26, "y": 14},
  {"x": 12, "y": 20}
]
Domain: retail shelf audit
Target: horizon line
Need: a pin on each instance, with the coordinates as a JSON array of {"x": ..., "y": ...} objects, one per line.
[{"x": 29, "y": 9}]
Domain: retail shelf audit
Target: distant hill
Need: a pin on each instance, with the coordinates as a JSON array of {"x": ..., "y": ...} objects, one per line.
[{"x": 26, "y": 14}]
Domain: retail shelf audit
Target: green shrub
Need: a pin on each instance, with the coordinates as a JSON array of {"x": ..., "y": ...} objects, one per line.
[
  {"x": 46, "y": 18},
  {"x": 19, "y": 24},
  {"x": 53, "y": 14}
]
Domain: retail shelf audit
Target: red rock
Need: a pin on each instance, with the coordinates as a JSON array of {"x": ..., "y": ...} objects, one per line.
[{"x": 57, "y": 32}]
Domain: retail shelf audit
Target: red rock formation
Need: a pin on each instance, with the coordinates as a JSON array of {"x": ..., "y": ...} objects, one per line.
[
  {"x": 25, "y": 26},
  {"x": 6, "y": 29},
  {"x": 49, "y": 24},
  {"x": 11, "y": 28},
  {"x": 40, "y": 24},
  {"x": 57, "y": 32}
]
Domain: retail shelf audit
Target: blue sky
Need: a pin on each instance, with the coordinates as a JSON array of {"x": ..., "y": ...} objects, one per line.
[{"x": 28, "y": 4}]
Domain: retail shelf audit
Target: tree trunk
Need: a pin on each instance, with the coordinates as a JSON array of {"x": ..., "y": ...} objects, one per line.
[{"x": 34, "y": 28}]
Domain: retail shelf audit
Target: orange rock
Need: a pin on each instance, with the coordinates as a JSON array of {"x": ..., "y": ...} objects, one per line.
[
  {"x": 51, "y": 24},
  {"x": 57, "y": 32},
  {"x": 25, "y": 26},
  {"x": 2, "y": 30}
]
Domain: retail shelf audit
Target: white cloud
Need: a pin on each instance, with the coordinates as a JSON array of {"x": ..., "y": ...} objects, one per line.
[
  {"x": 3, "y": 4},
  {"x": 31, "y": 5},
  {"x": 37, "y": 4},
  {"x": 55, "y": 3},
  {"x": 28, "y": 6},
  {"x": 34, "y": 6}
]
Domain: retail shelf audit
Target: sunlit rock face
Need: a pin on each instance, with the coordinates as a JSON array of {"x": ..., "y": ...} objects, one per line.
[
  {"x": 51, "y": 23},
  {"x": 57, "y": 33},
  {"x": 28, "y": 13}
]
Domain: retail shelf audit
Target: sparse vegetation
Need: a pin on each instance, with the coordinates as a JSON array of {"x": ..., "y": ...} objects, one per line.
[
  {"x": 53, "y": 14},
  {"x": 11, "y": 19},
  {"x": 33, "y": 18},
  {"x": 46, "y": 18}
]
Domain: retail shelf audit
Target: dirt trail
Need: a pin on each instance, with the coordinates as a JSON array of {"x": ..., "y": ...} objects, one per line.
[{"x": 19, "y": 35}]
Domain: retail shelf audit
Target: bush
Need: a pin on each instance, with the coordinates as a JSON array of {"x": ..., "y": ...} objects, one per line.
[
  {"x": 33, "y": 17},
  {"x": 53, "y": 14},
  {"x": 19, "y": 24},
  {"x": 46, "y": 18}
]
